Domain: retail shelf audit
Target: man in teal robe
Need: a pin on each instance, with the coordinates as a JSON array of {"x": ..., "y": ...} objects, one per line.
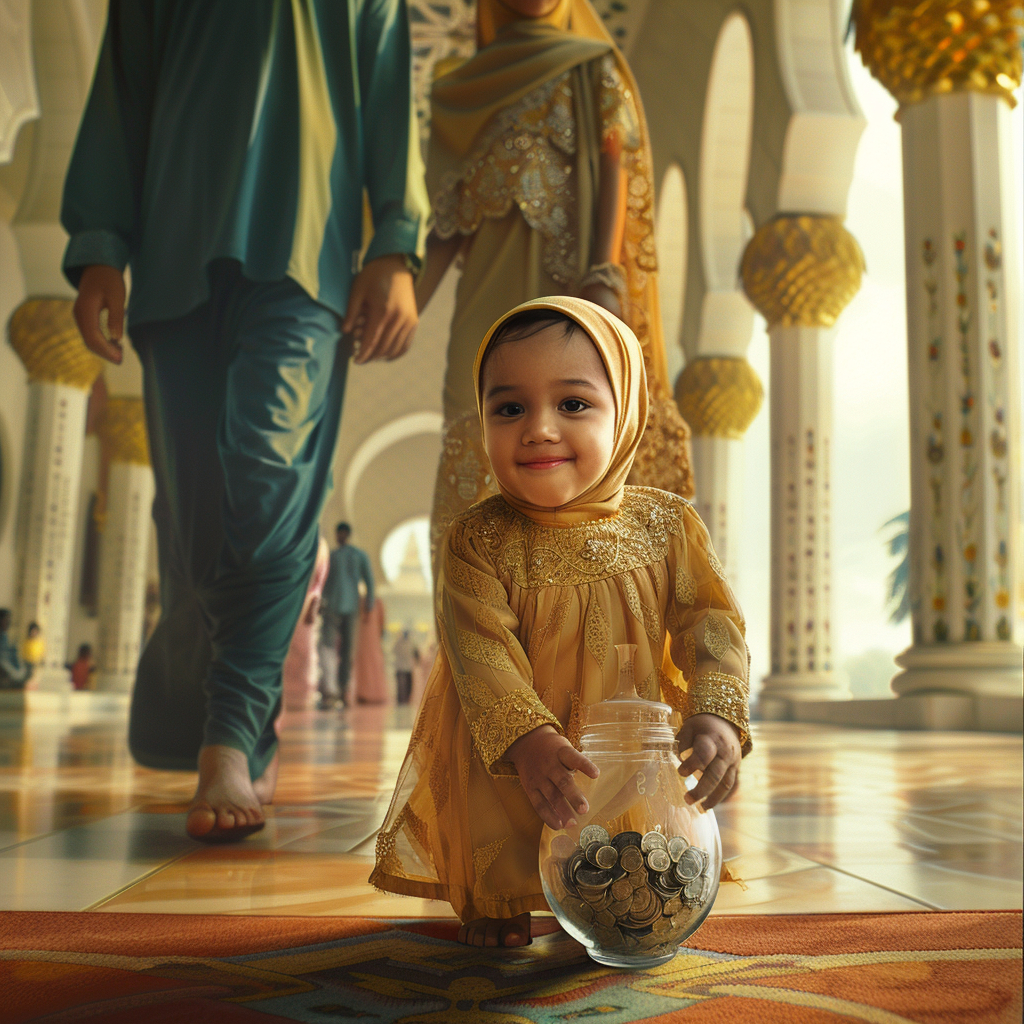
[{"x": 224, "y": 154}]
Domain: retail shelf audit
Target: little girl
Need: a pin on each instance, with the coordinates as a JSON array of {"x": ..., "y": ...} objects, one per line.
[{"x": 537, "y": 585}]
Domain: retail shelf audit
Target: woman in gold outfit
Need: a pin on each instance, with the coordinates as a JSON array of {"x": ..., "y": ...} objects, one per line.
[{"x": 539, "y": 172}]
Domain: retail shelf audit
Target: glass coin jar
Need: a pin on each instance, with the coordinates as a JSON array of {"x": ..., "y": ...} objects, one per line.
[{"x": 639, "y": 871}]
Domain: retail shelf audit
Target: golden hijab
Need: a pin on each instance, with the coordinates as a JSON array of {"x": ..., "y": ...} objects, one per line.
[{"x": 623, "y": 361}]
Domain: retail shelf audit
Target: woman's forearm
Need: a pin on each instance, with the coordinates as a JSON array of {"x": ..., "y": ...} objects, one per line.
[
  {"x": 611, "y": 210},
  {"x": 440, "y": 253}
]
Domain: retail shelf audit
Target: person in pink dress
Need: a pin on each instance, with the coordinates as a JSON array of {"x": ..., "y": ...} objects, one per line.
[
  {"x": 369, "y": 682},
  {"x": 302, "y": 664}
]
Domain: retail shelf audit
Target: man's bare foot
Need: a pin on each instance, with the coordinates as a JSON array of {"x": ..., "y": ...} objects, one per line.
[
  {"x": 225, "y": 807},
  {"x": 497, "y": 931},
  {"x": 265, "y": 785}
]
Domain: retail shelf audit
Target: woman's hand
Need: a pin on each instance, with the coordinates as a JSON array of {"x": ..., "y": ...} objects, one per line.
[
  {"x": 546, "y": 762},
  {"x": 603, "y": 296},
  {"x": 714, "y": 746}
]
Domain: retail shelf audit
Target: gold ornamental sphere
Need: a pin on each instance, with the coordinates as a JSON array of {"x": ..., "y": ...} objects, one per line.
[
  {"x": 44, "y": 334},
  {"x": 802, "y": 270},
  {"x": 929, "y": 47},
  {"x": 719, "y": 396}
]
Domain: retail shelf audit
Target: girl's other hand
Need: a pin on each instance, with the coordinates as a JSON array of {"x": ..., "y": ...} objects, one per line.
[
  {"x": 714, "y": 751},
  {"x": 546, "y": 762}
]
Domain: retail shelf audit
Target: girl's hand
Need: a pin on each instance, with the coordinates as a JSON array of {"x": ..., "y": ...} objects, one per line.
[
  {"x": 714, "y": 746},
  {"x": 546, "y": 761}
]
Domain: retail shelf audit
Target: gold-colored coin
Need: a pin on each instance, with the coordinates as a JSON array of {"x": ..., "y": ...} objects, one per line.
[
  {"x": 637, "y": 878},
  {"x": 621, "y": 907},
  {"x": 622, "y": 889},
  {"x": 605, "y": 918},
  {"x": 673, "y": 906},
  {"x": 591, "y": 852},
  {"x": 631, "y": 859},
  {"x": 606, "y": 857},
  {"x": 608, "y": 938},
  {"x": 663, "y": 924}
]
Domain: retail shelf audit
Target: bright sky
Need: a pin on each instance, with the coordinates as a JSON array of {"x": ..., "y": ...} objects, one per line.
[{"x": 871, "y": 462}]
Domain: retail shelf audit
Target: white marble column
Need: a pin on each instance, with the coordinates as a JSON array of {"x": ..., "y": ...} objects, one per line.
[
  {"x": 61, "y": 372},
  {"x": 963, "y": 337},
  {"x": 719, "y": 395},
  {"x": 122, "y": 570},
  {"x": 800, "y": 272}
]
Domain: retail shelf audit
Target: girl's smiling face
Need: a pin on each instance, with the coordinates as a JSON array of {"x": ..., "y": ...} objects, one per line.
[{"x": 548, "y": 416}]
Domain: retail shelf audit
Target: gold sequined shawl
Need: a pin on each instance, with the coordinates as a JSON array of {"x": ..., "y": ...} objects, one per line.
[{"x": 466, "y": 109}]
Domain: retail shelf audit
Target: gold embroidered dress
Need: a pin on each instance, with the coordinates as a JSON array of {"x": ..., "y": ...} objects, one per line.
[
  {"x": 530, "y": 606},
  {"x": 516, "y": 138}
]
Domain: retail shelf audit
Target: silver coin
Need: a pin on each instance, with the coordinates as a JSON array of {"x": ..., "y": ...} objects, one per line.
[
  {"x": 659, "y": 860},
  {"x": 593, "y": 834},
  {"x": 690, "y": 865},
  {"x": 653, "y": 841},
  {"x": 694, "y": 889},
  {"x": 677, "y": 846}
]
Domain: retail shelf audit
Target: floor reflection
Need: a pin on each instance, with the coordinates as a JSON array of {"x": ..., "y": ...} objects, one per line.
[{"x": 826, "y": 820}]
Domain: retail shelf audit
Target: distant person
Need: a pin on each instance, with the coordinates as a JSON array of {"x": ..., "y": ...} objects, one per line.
[
  {"x": 340, "y": 610},
  {"x": 33, "y": 648},
  {"x": 13, "y": 671},
  {"x": 405, "y": 656},
  {"x": 82, "y": 668},
  {"x": 369, "y": 677}
]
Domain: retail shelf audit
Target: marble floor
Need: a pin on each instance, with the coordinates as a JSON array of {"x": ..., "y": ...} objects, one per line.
[{"x": 825, "y": 820}]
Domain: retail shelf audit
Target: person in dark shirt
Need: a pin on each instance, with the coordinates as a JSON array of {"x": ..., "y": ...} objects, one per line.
[{"x": 223, "y": 154}]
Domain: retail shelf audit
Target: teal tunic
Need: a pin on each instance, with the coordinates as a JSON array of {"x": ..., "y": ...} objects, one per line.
[
  {"x": 349, "y": 565},
  {"x": 245, "y": 130}
]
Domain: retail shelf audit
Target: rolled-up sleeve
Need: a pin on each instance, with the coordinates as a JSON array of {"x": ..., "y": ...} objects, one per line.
[
  {"x": 104, "y": 180},
  {"x": 393, "y": 165}
]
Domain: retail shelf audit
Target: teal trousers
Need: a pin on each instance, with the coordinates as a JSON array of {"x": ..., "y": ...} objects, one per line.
[{"x": 243, "y": 399}]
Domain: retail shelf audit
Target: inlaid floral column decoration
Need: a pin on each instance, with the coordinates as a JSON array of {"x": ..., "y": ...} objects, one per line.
[
  {"x": 800, "y": 272},
  {"x": 719, "y": 396},
  {"x": 953, "y": 66},
  {"x": 61, "y": 373},
  {"x": 122, "y": 576}
]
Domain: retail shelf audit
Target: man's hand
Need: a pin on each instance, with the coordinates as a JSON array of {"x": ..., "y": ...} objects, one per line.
[
  {"x": 714, "y": 746},
  {"x": 546, "y": 762},
  {"x": 382, "y": 310},
  {"x": 101, "y": 287}
]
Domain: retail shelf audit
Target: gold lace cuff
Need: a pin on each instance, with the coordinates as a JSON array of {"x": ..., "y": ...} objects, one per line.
[
  {"x": 514, "y": 715},
  {"x": 717, "y": 693}
]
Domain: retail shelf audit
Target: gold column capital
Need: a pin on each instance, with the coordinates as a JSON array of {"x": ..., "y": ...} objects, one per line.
[
  {"x": 44, "y": 334},
  {"x": 920, "y": 48},
  {"x": 719, "y": 396},
  {"x": 122, "y": 430},
  {"x": 802, "y": 270}
]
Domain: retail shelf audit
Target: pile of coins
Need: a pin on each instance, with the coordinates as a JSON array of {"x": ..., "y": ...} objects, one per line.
[{"x": 630, "y": 889}]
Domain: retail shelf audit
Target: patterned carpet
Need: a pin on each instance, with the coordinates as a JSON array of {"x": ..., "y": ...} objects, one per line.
[{"x": 929, "y": 968}]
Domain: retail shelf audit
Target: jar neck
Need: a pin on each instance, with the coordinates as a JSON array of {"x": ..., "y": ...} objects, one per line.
[{"x": 619, "y": 739}]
